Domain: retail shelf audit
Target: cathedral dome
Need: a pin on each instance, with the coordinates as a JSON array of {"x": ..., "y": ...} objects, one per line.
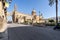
[{"x": 33, "y": 10}]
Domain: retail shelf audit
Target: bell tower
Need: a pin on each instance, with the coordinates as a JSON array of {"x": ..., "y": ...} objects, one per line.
[{"x": 14, "y": 14}]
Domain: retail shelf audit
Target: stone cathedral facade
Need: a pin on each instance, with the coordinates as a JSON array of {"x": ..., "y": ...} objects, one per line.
[{"x": 18, "y": 17}]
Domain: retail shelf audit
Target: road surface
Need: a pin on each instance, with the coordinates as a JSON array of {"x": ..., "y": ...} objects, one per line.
[{"x": 25, "y": 32}]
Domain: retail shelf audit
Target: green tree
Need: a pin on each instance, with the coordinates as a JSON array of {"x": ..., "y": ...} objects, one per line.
[
  {"x": 51, "y": 20},
  {"x": 51, "y": 2}
]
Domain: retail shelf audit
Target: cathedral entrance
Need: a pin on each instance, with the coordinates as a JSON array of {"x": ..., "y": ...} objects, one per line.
[{"x": 16, "y": 20}]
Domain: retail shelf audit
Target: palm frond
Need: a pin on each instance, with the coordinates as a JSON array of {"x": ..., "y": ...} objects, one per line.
[{"x": 51, "y": 2}]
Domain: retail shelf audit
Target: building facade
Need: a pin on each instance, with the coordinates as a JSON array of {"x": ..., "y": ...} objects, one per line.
[
  {"x": 18, "y": 17},
  {"x": 3, "y": 22}
]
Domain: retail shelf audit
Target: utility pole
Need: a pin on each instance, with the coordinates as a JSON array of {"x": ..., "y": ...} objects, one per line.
[{"x": 39, "y": 16}]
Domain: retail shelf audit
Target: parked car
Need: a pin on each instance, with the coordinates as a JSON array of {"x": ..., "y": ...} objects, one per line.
[{"x": 9, "y": 21}]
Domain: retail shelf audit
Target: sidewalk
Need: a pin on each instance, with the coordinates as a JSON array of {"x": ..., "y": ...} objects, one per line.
[{"x": 16, "y": 25}]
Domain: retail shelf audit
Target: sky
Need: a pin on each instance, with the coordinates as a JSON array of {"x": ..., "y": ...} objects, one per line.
[{"x": 26, "y": 7}]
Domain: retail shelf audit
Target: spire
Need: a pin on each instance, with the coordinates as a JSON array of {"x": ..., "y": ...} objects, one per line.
[{"x": 15, "y": 7}]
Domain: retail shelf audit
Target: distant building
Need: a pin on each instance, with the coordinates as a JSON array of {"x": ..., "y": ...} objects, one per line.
[{"x": 19, "y": 17}]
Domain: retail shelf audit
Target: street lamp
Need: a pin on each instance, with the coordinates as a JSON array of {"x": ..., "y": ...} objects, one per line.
[{"x": 9, "y": 1}]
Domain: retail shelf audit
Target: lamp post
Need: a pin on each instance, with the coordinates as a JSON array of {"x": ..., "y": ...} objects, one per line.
[{"x": 9, "y": 1}]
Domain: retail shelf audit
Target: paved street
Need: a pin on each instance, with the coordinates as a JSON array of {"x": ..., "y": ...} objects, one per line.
[{"x": 27, "y": 32}]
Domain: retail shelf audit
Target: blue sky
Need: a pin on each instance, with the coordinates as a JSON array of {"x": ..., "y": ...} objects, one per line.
[{"x": 26, "y": 6}]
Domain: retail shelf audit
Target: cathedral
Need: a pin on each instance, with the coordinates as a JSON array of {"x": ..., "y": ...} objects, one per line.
[{"x": 18, "y": 17}]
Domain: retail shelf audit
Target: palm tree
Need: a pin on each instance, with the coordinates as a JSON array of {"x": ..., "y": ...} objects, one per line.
[{"x": 51, "y": 2}]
